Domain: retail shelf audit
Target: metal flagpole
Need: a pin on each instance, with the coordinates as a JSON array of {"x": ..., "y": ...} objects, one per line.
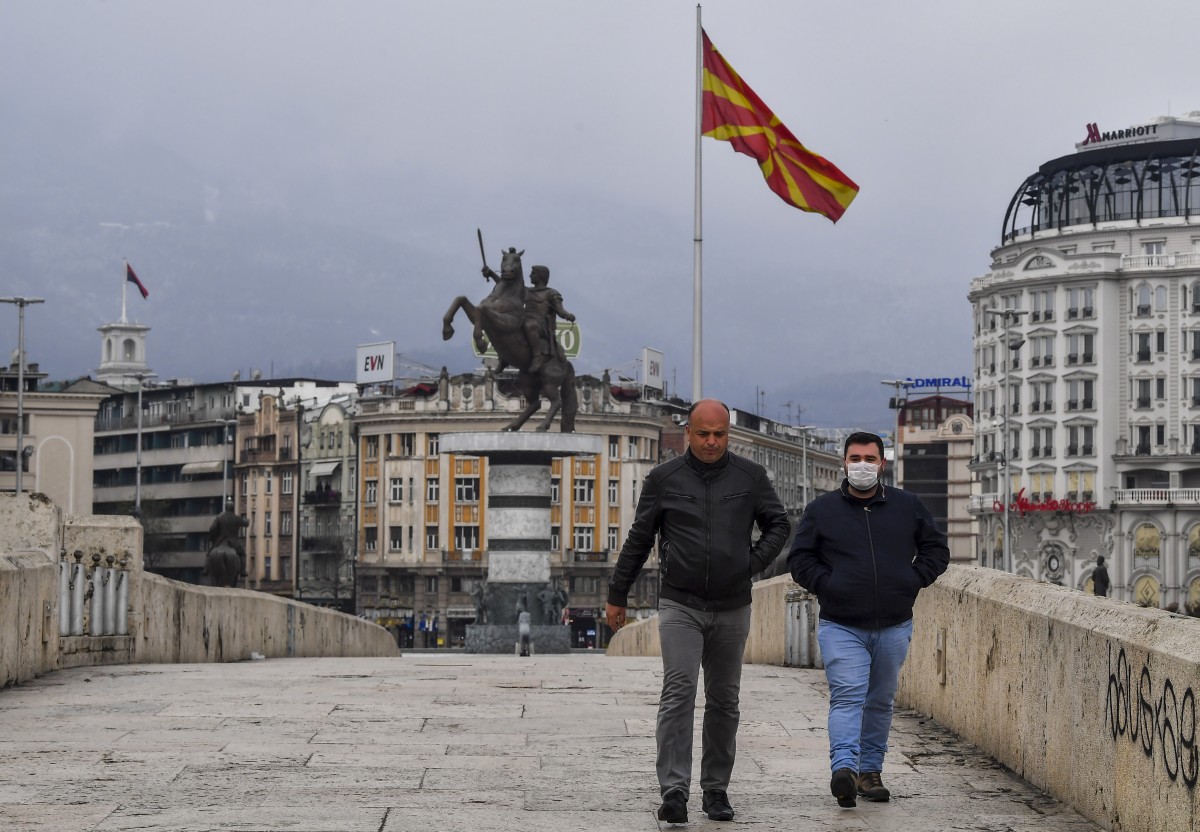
[
  {"x": 697, "y": 323},
  {"x": 124, "y": 286}
]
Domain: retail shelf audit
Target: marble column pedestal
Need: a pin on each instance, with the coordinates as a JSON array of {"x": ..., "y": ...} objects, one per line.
[{"x": 518, "y": 533}]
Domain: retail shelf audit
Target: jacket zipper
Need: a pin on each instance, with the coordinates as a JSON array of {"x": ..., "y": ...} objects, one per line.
[
  {"x": 874, "y": 564},
  {"x": 707, "y": 534}
]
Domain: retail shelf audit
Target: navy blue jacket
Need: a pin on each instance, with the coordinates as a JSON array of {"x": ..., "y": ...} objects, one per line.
[{"x": 866, "y": 560}]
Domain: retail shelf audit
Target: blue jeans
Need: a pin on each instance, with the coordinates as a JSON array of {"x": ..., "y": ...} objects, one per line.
[{"x": 862, "y": 667}]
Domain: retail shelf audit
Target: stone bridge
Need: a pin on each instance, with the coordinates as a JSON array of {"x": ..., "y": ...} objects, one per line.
[{"x": 1024, "y": 706}]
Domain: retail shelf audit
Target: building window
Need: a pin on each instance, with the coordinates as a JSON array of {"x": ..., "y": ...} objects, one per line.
[
  {"x": 372, "y": 492},
  {"x": 395, "y": 538},
  {"x": 396, "y": 489},
  {"x": 555, "y": 534},
  {"x": 431, "y": 584},
  {"x": 614, "y": 538},
  {"x": 370, "y": 538},
  {"x": 1142, "y": 301},
  {"x": 614, "y": 447},
  {"x": 583, "y": 538},
  {"x": 466, "y": 489},
  {"x": 614, "y": 492},
  {"x": 633, "y": 448},
  {"x": 432, "y": 487},
  {"x": 555, "y": 486},
  {"x": 432, "y": 444},
  {"x": 1141, "y": 393},
  {"x": 431, "y": 537},
  {"x": 407, "y": 442},
  {"x": 267, "y": 523},
  {"x": 584, "y": 491},
  {"x": 466, "y": 538},
  {"x": 285, "y": 482},
  {"x": 372, "y": 447},
  {"x": 267, "y": 480},
  {"x": 285, "y": 522}
]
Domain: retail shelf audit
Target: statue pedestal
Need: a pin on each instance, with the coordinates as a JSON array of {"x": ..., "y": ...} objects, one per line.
[{"x": 518, "y": 531}]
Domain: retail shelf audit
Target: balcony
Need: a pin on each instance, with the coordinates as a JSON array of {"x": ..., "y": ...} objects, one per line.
[
  {"x": 1143, "y": 310},
  {"x": 1072, "y": 450},
  {"x": 323, "y": 545},
  {"x": 1159, "y": 261},
  {"x": 1157, "y": 496},
  {"x": 982, "y": 502},
  {"x": 1047, "y": 451},
  {"x": 1143, "y": 356},
  {"x": 589, "y": 557},
  {"x": 1141, "y": 450},
  {"x": 1143, "y": 403},
  {"x": 326, "y": 497},
  {"x": 462, "y": 555}
]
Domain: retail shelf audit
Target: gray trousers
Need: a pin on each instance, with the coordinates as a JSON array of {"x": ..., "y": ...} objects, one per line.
[{"x": 692, "y": 639}]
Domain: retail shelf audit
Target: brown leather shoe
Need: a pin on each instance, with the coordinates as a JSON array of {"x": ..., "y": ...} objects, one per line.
[{"x": 870, "y": 786}]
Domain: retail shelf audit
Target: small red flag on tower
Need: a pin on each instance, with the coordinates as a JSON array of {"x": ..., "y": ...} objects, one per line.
[{"x": 133, "y": 278}]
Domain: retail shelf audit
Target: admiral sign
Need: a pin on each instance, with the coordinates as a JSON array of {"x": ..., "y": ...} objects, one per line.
[{"x": 939, "y": 382}]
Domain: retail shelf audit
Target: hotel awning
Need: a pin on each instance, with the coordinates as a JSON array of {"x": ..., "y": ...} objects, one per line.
[
  {"x": 323, "y": 469},
  {"x": 211, "y": 467}
]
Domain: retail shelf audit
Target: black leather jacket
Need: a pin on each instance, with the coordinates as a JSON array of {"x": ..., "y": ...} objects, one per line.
[{"x": 704, "y": 515}]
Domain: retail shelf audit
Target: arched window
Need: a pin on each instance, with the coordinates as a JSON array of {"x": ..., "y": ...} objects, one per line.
[
  {"x": 1146, "y": 591},
  {"x": 1147, "y": 542},
  {"x": 1193, "y": 539},
  {"x": 129, "y": 351},
  {"x": 1160, "y": 299},
  {"x": 1143, "y": 299}
]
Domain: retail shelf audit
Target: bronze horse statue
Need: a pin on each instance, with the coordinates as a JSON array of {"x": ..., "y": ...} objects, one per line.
[
  {"x": 497, "y": 319},
  {"x": 223, "y": 565}
]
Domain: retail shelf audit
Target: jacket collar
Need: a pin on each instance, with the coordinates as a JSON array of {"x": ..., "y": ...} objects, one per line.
[{"x": 880, "y": 495}]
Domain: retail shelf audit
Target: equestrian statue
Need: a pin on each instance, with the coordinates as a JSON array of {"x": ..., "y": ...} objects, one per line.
[{"x": 519, "y": 321}]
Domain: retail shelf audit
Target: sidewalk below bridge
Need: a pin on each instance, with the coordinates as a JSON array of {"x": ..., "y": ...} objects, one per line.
[{"x": 447, "y": 742}]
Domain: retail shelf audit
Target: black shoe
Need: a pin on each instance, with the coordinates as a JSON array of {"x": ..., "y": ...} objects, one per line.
[
  {"x": 844, "y": 785},
  {"x": 674, "y": 807},
  {"x": 716, "y": 805},
  {"x": 871, "y": 787}
]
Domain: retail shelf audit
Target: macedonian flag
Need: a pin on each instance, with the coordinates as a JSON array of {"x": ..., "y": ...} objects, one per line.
[{"x": 732, "y": 112}]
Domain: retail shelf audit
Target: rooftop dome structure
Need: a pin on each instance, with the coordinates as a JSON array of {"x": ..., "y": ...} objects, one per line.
[{"x": 1145, "y": 172}]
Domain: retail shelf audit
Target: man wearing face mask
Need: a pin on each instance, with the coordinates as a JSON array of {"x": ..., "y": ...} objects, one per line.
[{"x": 865, "y": 551}]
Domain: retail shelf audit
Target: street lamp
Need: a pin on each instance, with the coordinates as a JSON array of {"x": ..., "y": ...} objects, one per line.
[
  {"x": 225, "y": 465},
  {"x": 137, "y": 493},
  {"x": 1014, "y": 343},
  {"x": 897, "y": 403},
  {"x": 804, "y": 434},
  {"x": 21, "y": 303}
]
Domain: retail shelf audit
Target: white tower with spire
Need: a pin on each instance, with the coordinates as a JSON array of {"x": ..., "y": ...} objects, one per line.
[{"x": 122, "y": 350}]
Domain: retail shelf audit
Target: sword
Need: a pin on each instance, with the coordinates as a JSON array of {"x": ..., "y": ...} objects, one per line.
[{"x": 479, "y": 234}]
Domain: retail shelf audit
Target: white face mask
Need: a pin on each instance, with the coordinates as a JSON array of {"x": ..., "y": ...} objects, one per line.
[{"x": 862, "y": 475}]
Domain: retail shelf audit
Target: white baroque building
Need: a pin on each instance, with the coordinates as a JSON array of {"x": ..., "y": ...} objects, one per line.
[{"x": 1087, "y": 368}]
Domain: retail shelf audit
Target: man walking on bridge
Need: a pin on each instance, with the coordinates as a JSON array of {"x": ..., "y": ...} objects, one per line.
[
  {"x": 703, "y": 507},
  {"x": 865, "y": 551}
]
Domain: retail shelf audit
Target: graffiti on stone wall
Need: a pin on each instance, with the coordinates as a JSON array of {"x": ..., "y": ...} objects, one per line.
[{"x": 1154, "y": 715}]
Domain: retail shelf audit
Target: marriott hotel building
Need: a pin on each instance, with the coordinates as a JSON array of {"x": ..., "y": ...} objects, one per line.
[{"x": 1087, "y": 368}]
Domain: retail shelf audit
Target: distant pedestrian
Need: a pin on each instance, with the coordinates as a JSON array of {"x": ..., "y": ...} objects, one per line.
[
  {"x": 1100, "y": 582},
  {"x": 865, "y": 551},
  {"x": 703, "y": 507}
]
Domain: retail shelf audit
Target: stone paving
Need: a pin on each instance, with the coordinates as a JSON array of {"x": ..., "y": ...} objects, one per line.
[{"x": 441, "y": 742}]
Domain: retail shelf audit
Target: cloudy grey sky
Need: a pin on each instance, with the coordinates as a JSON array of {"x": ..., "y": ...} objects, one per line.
[{"x": 290, "y": 179}]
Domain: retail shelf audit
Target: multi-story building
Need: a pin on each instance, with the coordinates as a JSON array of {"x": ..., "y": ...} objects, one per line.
[
  {"x": 328, "y": 475},
  {"x": 268, "y": 494},
  {"x": 184, "y": 471},
  {"x": 422, "y": 514},
  {"x": 1087, "y": 368},
  {"x": 56, "y": 436},
  {"x": 935, "y": 445}
]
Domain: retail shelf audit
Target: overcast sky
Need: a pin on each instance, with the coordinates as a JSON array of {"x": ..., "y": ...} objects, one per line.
[{"x": 291, "y": 179}]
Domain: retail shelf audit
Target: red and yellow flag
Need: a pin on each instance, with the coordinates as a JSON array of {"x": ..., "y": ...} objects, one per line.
[{"x": 733, "y": 113}]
